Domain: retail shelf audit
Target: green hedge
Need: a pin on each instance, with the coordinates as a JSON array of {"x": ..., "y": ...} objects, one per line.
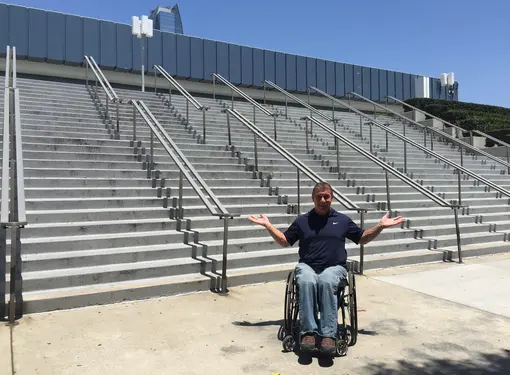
[{"x": 470, "y": 116}]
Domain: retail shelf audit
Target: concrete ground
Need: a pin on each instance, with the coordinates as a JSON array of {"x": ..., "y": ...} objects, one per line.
[{"x": 433, "y": 319}]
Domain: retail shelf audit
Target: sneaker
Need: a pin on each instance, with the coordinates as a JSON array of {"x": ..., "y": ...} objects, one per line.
[
  {"x": 308, "y": 342},
  {"x": 328, "y": 346}
]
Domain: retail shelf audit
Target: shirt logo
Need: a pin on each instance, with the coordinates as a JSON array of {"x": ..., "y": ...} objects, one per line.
[{"x": 335, "y": 223}]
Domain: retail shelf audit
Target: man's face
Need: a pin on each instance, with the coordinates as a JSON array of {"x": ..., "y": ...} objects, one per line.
[{"x": 322, "y": 201}]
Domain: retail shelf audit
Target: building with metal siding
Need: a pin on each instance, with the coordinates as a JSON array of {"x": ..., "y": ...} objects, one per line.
[{"x": 191, "y": 58}]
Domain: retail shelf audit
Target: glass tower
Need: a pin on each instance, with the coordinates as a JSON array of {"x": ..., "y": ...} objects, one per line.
[{"x": 167, "y": 18}]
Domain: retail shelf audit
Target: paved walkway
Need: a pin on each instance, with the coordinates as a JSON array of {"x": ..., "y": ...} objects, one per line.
[{"x": 402, "y": 331}]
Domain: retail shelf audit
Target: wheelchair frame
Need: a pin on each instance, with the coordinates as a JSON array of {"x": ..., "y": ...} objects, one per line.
[{"x": 347, "y": 334}]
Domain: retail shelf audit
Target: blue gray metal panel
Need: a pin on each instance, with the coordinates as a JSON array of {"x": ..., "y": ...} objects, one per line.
[
  {"x": 311, "y": 72},
  {"x": 169, "y": 44},
  {"x": 365, "y": 82},
  {"x": 434, "y": 91},
  {"x": 209, "y": 59},
  {"x": 4, "y": 28},
  {"x": 321, "y": 74},
  {"x": 74, "y": 40},
  {"x": 391, "y": 83},
  {"x": 183, "y": 56},
  {"x": 57, "y": 35},
  {"x": 124, "y": 48},
  {"x": 374, "y": 84},
  {"x": 108, "y": 45},
  {"x": 258, "y": 67},
  {"x": 383, "y": 84},
  {"x": 91, "y": 38},
  {"x": 291, "y": 73},
  {"x": 357, "y": 79},
  {"x": 154, "y": 50},
  {"x": 399, "y": 89},
  {"x": 340, "y": 79},
  {"x": 280, "y": 78},
  {"x": 247, "y": 66},
  {"x": 222, "y": 59},
  {"x": 235, "y": 64},
  {"x": 269, "y": 66},
  {"x": 413, "y": 85},
  {"x": 301, "y": 74},
  {"x": 406, "y": 85},
  {"x": 349, "y": 78},
  {"x": 197, "y": 58},
  {"x": 330, "y": 78},
  {"x": 18, "y": 30},
  {"x": 37, "y": 34}
]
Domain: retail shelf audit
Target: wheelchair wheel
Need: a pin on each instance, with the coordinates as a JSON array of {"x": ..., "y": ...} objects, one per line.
[
  {"x": 289, "y": 344},
  {"x": 291, "y": 307},
  {"x": 353, "y": 310},
  {"x": 281, "y": 333}
]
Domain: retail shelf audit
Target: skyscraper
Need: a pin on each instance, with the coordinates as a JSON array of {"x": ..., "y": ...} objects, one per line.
[{"x": 167, "y": 18}]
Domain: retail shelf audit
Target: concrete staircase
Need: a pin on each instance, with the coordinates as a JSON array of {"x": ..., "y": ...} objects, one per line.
[{"x": 99, "y": 233}]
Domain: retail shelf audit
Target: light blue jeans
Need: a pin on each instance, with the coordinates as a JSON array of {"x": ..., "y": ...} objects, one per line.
[{"x": 318, "y": 293}]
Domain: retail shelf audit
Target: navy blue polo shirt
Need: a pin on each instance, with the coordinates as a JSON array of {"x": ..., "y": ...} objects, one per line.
[{"x": 322, "y": 238}]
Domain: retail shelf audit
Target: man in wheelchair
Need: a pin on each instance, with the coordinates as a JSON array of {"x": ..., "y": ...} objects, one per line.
[{"x": 322, "y": 262}]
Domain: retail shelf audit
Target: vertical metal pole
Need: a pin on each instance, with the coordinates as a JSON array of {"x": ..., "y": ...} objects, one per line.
[
  {"x": 333, "y": 110},
  {"x": 107, "y": 107},
  {"x": 361, "y": 127},
  {"x": 256, "y": 152},
  {"x": 457, "y": 231},
  {"x": 371, "y": 137},
  {"x": 308, "y": 89},
  {"x": 134, "y": 124},
  {"x": 388, "y": 190},
  {"x": 375, "y": 113},
  {"x": 306, "y": 132},
  {"x": 118, "y": 117},
  {"x": 405, "y": 146},
  {"x": 152, "y": 150},
  {"x": 337, "y": 146},
  {"x": 225, "y": 250},
  {"x": 387, "y": 144},
  {"x": 232, "y": 99},
  {"x": 181, "y": 175},
  {"x": 13, "y": 210},
  {"x": 214, "y": 87},
  {"x": 432, "y": 141},
  {"x": 203, "y": 121},
  {"x": 286, "y": 107},
  {"x": 254, "y": 123},
  {"x": 264, "y": 83},
  {"x": 143, "y": 67},
  {"x": 86, "y": 71},
  {"x": 362, "y": 247},
  {"x": 459, "y": 186},
  {"x": 274, "y": 120},
  {"x": 228, "y": 129},
  {"x": 508, "y": 158},
  {"x": 155, "y": 84},
  {"x": 349, "y": 96},
  {"x": 298, "y": 194},
  {"x": 187, "y": 111},
  {"x": 471, "y": 138},
  {"x": 461, "y": 157},
  {"x": 425, "y": 137}
]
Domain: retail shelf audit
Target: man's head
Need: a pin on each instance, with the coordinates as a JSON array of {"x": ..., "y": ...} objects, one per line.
[{"x": 322, "y": 196}]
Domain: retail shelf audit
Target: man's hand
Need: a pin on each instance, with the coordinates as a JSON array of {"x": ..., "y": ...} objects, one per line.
[
  {"x": 262, "y": 220},
  {"x": 387, "y": 222}
]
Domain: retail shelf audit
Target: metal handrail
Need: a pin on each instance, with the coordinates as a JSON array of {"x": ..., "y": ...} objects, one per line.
[
  {"x": 406, "y": 140},
  {"x": 189, "y": 98},
  {"x": 12, "y": 207},
  {"x": 301, "y": 167},
  {"x": 188, "y": 171},
  {"x": 110, "y": 94},
  {"x": 401, "y": 176},
  {"x": 248, "y": 98},
  {"x": 437, "y": 131},
  {"x": 453, "y": 125}
]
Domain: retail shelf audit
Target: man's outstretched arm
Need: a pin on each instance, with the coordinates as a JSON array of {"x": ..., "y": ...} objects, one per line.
[
  {"x": 278, "y": 236},
  {"x": 386, "y": 222}
]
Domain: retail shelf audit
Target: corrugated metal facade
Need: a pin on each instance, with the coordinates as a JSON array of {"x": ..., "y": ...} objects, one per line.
[{"x": 60, "y": 38}]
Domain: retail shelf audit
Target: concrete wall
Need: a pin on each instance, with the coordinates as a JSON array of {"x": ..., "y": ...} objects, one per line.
[{"x": 65, "y": 39}]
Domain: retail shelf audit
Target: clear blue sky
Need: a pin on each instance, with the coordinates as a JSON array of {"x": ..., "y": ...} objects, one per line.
[{"x": 468, "y": 37}]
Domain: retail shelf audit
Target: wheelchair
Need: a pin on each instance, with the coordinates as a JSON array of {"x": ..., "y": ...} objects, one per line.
[{"x": 347, "y": 332}]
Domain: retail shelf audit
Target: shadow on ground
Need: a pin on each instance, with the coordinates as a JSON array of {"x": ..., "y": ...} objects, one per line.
[{"x": 477, "y": 364}]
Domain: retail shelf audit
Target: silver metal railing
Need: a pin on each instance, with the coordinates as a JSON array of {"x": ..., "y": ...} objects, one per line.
[
  {"x": 456, "y": 127},
  {"x": 249, "y": 99},
  {"x": 172, "y": 82},
  {"x": 13, "y": 214},
  {"x": 460, "y": 169},
  {"x": 110, "y": 94},
  {"x": 389, "y": 169},
  {"x": 442, "y": 134},
  {"x": 186, "y": 170},
  {"x": 301, "y": 169}
]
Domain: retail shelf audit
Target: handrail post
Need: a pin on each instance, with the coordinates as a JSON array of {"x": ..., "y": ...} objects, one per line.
[
  {"x": 306, "y": 132},
  {"x": 264, "y": 84},
  {"x": 228, "y": 129},
  {"x": 86, "y": 73},
  {"x": 118, "y": 119},
  {"x": 371, "y": 151},
  {"x": 187, "y": 112},
  {"x": 274, "y": 120},
  {"x": 461, "y": 157},
  {"x": 286, "y": 108},
  {"x": 333, "y": 111},
  {"x": 181, "y": 213},
  {"x": 337, "y": 147},
  {"x": 169, "y": 94},
  {"x": 214, "y": 86},
  {"x": 457, "y": 231},
  {"x": 388, "y": 190},
  {"x": 204, "y": 109},
  {"x": 470, "y": 137},
  {"x": 508, "y": 158},
  {"x": 387, "y": 144},
  {"x": 459, "y": 186},
  {"x": 431, "y": 141},
  {"x": 362, "y": 247},
  {"x": 232, "y": 98},
  {"x": 361, "y": 127},
  {"x": 298, "y": 194},
  {"x": 224, "y": 280},
  {"x": 308, "y": 89},
  {"x": 405, "y": 146},
  {"x": 134, "y": 125},
  {"x": 256, "y": 152}
]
